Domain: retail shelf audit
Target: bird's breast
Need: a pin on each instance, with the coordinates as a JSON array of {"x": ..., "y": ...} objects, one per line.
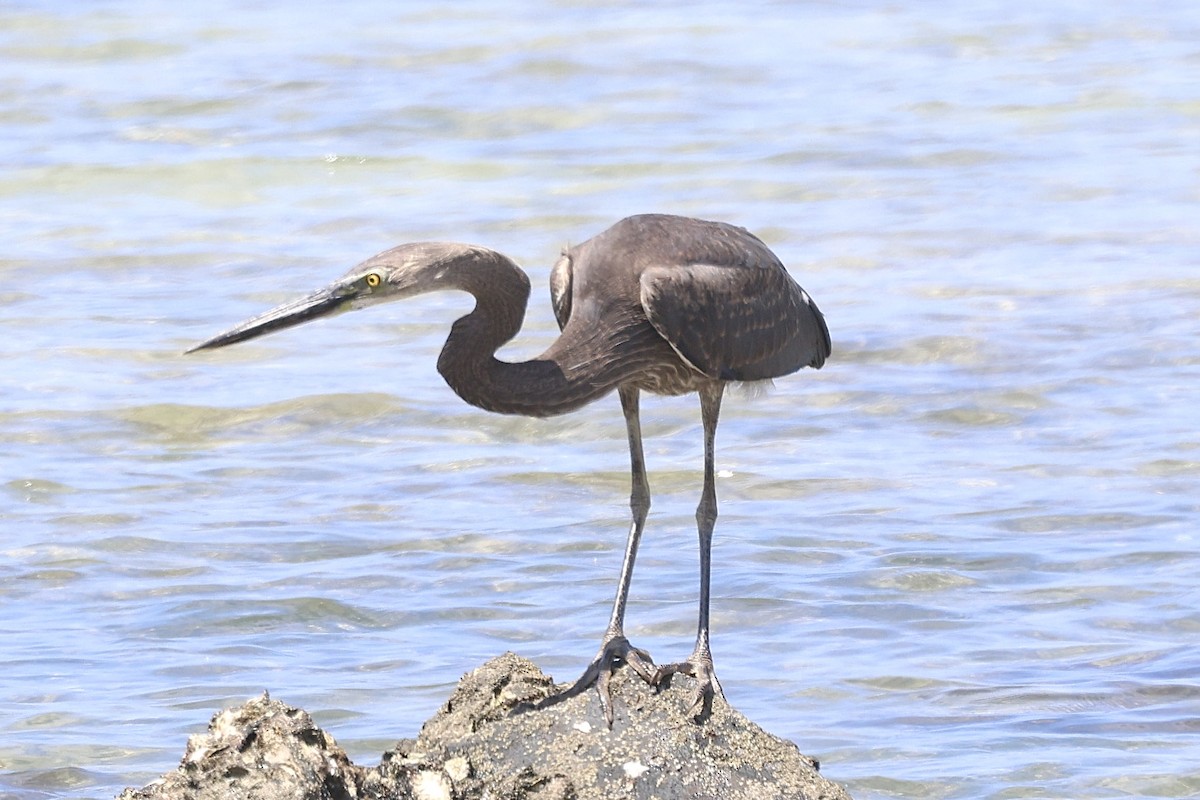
[{"x": 670, "y": 376}]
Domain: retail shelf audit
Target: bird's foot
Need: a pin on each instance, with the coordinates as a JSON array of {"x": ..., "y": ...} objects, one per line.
[
  {"x": 700, "y": 667},
  {"x": 614, "y": 651}
]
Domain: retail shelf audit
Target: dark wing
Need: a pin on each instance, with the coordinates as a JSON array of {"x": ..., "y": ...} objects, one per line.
[{"x": 742, "y": 322}]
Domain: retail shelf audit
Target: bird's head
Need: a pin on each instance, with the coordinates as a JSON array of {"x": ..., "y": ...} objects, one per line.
[{"x": 403, "y": 271}]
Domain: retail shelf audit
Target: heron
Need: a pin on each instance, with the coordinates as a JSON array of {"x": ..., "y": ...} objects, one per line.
[{"x": 656, "y": 303}]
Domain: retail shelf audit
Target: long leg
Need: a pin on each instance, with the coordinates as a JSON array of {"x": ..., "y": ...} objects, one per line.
[
  {"x": 700, "y": 664},
  {"x": 615, "y": 649},
  {"x": 639, "y": 506}
]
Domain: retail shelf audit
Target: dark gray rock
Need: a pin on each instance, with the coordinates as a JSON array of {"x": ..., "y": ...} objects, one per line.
[
  {"x": 484, "y": 743},
  {"x": 263, "y": 750}
]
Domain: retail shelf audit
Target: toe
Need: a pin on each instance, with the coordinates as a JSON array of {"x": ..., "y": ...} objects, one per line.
[
  {"x": 614, "y": 651},
  {"x": 707, "y": 686},
  {"x": 641, "y": 663}
]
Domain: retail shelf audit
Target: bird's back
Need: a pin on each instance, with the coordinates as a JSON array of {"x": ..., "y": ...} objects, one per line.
[{"x": 714, "y": 294}]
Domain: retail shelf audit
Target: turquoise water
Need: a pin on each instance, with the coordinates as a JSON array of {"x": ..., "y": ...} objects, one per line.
[{"x": 958, "y": 562}]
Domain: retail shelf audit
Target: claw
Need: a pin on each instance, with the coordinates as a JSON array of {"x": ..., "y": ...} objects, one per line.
[
  {"x": 701, "y": 669},
  {"x": 614, "y": 651}
]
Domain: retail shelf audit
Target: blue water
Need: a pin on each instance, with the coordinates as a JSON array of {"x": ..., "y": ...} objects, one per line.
[{"x": 958, "y": 562}]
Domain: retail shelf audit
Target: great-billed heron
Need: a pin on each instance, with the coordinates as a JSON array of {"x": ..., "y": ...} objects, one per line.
[{"x": 659, "y": 303}]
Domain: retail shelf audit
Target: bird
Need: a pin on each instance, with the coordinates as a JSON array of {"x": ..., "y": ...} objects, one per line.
[{"x": 656, "y": 303}]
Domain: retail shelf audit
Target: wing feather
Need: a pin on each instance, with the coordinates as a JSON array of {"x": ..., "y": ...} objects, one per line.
[
  {"x": 560, "y": 289},
  {"x": 735, "y": 322}
]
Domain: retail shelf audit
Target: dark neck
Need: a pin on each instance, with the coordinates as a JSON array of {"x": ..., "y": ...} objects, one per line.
[{"x": 538, "y": 388}]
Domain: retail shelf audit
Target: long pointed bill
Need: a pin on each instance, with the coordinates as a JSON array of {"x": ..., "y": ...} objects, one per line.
[{"x": 318, "y": 304}]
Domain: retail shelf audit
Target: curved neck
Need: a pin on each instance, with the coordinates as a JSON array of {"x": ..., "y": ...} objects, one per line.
[{"x": 540, "y": 387}]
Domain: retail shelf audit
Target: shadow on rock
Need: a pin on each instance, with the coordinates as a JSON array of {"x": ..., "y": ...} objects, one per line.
[{"x": 485, "y": 743}]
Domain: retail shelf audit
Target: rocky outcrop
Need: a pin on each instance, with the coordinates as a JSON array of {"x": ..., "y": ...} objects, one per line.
[{"x": 486, "y": 742}]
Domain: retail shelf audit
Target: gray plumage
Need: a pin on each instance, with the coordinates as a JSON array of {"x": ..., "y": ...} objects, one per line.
[
  {"x": 655, "y": 303},
  {"x": 715, "y": 293}
]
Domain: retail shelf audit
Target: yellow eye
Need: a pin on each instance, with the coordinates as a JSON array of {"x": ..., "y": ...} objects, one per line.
[{"x": 374, "y": 280}]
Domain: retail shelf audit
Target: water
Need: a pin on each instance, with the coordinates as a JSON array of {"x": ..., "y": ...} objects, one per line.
[{"x": 958, "y": 562}]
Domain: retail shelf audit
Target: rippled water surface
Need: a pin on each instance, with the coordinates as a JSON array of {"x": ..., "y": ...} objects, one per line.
[{"x": 958, "y": 562}]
